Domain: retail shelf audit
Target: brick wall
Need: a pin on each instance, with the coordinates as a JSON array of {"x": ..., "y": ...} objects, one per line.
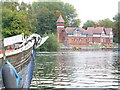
[
  {"x": 77, "y": 41},
  {"x": 83, "y": 41},
  {"x": 60, "y": 35}
]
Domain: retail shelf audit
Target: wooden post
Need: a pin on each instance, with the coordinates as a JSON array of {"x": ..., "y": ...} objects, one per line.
[{"x": 3, "y": 50}]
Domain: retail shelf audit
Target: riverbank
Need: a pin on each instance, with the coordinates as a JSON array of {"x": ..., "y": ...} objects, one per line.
[
  {"x": 70, "y": 51},
  {"x": 88, "y": 48}
]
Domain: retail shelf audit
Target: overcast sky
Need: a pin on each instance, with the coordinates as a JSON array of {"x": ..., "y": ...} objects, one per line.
[{"x": 93, "y": 9}]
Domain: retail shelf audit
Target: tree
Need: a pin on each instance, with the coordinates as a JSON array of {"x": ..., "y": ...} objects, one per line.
[
  {"x": 89, "y": 23},
  {"x": 0, "y": 20},
  {"x": 116, "y": 28},
  {"x": 51, "y": 44},
  {"x": 69, "y": 13},
  {"x": 116, "y": 17},
  {"x": 76, "y": 23},
  {"x": 14, "y": 23},
  {"x": 17, "y": 20},
  {"x": 47, "y": 14},
  {"x": 107, "y": 23},
  {"x": 10, "y": 5},
  {"x": 45, "y": 21}
]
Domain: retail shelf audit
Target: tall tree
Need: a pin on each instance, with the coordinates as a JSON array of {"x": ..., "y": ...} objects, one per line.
[
  {"x": 14, "y": 23},
  {"x": 16, "y": 20},
  {"x": 10, "y": 5},
  {"x": 116, "y": 28},
  {"x": 0, "y": 20},
  {"x": 89, "y": 23},
  {"x": 75, "y": 23},
  {"x": 107, "y": 23},
  {"x": 47, "y": 14}
]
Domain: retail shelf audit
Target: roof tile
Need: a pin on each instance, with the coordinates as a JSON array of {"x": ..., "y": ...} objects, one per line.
[
  {"x": 108, "y": 30},
  {"x": 60, "y": 19},
  {"x": 90, "y": 30}
]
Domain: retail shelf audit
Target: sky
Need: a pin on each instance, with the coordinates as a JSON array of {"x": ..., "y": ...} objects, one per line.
[{"x": 93, "y": 9}]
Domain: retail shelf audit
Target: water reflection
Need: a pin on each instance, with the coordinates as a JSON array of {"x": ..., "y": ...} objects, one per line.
[{"x": 83, "y": 69}]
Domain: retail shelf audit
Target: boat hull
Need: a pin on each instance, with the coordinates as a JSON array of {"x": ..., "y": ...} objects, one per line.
[
  {"x": 25, "y": 75},
  {"x": 20, "y": 62}
]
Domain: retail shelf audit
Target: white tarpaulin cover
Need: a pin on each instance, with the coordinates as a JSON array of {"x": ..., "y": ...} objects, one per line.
[{"x": 14, "y": 39}]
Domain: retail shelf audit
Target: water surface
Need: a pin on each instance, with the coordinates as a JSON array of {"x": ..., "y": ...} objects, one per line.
[{"x": 76, "y": 69}]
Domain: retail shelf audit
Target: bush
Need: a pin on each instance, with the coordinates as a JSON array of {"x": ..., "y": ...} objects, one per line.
[
  {"x": 74, "y": 48},
  {"x": 51, "y": 44}
]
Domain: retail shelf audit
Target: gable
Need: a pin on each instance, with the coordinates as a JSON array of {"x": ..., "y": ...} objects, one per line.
[
  {"x": 108, "y": 31},
  {"x": 98, "y": 30}
]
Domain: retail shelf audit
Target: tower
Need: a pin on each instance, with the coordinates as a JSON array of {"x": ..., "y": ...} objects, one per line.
[{"x": 60, "y": 29}]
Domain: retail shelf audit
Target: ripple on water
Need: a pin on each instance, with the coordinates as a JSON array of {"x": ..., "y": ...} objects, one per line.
[{"x": 84, "y": 69}]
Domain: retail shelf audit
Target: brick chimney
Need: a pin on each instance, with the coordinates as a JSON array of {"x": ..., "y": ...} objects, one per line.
[{"x": 95, "y": 25}]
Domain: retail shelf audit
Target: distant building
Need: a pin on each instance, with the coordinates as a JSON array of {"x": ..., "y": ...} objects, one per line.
[{"x": 79, "y": 37}]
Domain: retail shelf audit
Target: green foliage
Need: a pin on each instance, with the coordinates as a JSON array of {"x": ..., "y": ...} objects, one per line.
[
  {"x": 45, "y": 21},
  {"x": 74, "y": 48},
  {"x": 16, "y": 19},
  {"x": 89, "y": 23},
  {"x": 107, "y": 23},
  {"x": 116, "y": 28},
  {"x": 76, "y": 23},
  {"x": 115, "y": 39},
  {"x": 47, "y": 14},
  {"x": 10, "y": 5},
  {"x": 0, "y": 20},
  {"x": 116, "y": 17},
  {"x": 14, "y": 23},
  {"x": 51, "y": 44}
]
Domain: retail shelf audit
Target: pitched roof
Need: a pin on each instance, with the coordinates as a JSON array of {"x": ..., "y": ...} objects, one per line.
[
  {"x": 60, "y": 19},
  {"x": 90, "y": 30},
  {"x": 108, "y": 30},
  {"x": 71, "y": 29},
  {"x": 98, "y": 30}
]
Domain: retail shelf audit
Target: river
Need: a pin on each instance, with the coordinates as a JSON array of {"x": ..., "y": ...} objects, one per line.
[{"x": 76, "y": 69}]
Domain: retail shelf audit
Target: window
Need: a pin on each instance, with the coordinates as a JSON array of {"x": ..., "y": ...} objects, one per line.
[
  {"x": 79, "y": 39},
  {"x": 74, "y": 39}
]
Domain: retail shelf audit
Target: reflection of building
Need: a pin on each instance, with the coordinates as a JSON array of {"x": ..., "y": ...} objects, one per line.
[{"x": 79, "y": 37}]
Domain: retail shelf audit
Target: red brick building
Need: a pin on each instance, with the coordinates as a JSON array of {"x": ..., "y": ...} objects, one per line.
[{"x": 79, "y": 37}]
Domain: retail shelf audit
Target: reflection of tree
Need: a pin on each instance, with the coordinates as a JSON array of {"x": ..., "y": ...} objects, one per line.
[
  {"x": 64, "y": 64},
  {"x": 44, "y": 69},
  {"x": 116, "y": 67},
  {"x": 45, "y": 66},
  {"x": 116, "y": 63}
]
